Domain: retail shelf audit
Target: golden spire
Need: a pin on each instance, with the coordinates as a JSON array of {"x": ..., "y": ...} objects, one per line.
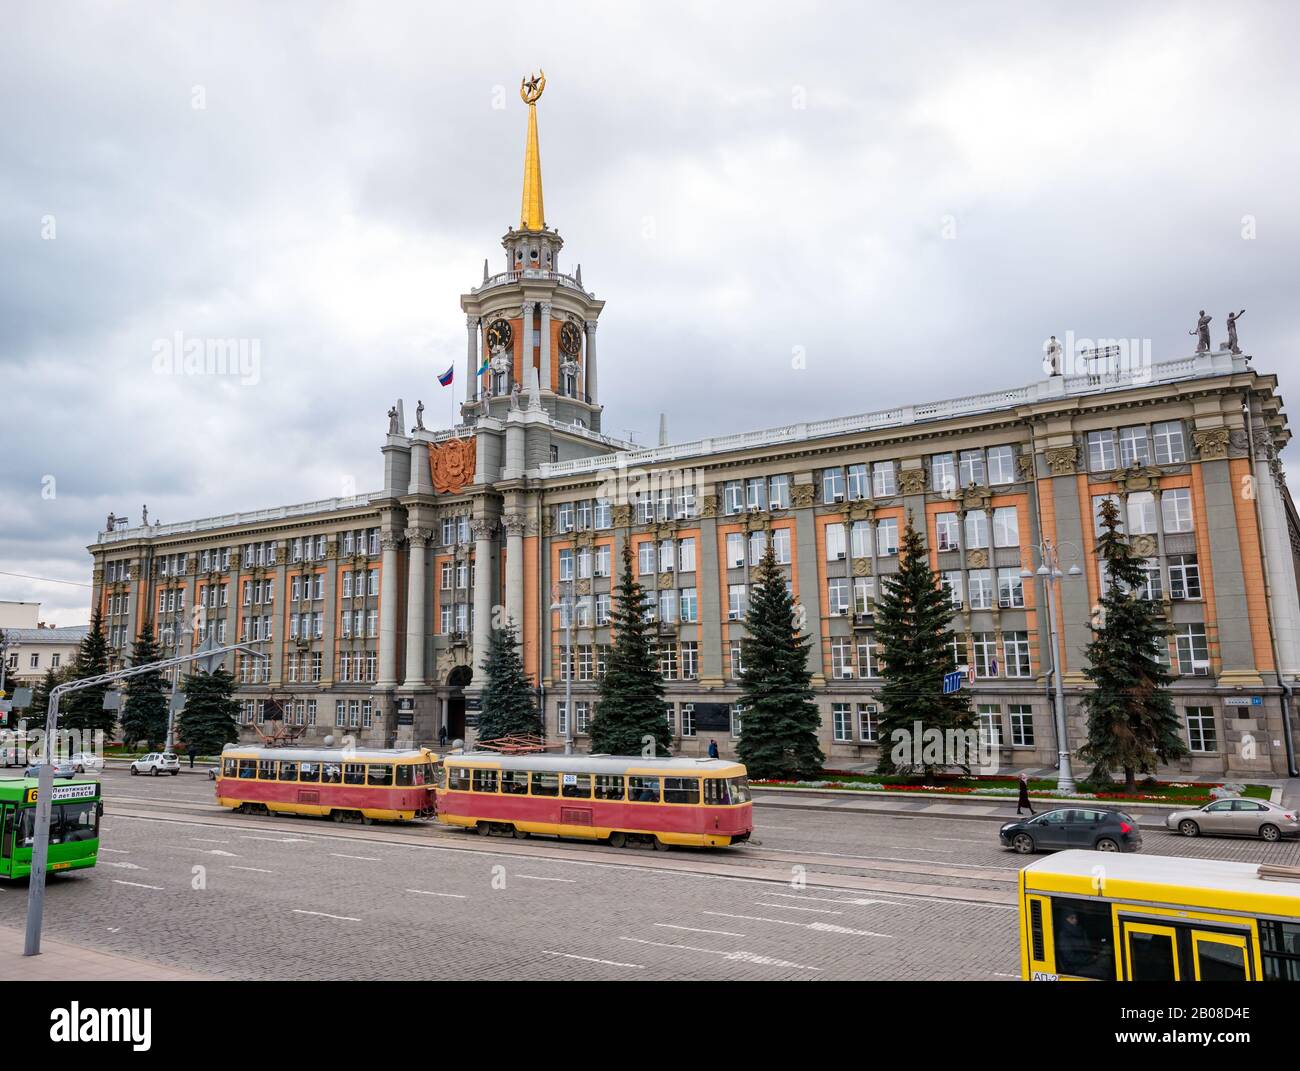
[{"x": 531, "y": 215}]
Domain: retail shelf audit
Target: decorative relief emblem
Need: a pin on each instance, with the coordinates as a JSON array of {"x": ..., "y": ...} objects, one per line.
[
  {"x": 978, "y": 559},
  {"x": 1062, "y": 460},
  {"x": 861, "y": 511},
  {"x": 802, "y": 495},
  {"x": 861, "y": 566},
  {"x": 332, "y": 549},
  {"x": 548, "y": 524},
  {"x": 1137, "y": 478},
  {"x": 1212, "y": 443},
  {"x": 973, "y": 497},
  {"x": 911, "y": 481},
  {"x": 586, "y": 538},
  {"x": 452, "y": 463},
  {"x": 1024, "y": 467},
  {"x": 622, "y": 516},
  {"x": 710, "y": 506},
  {"x": 1144, "y": 546},
  {"x": 665, "y": 580}
]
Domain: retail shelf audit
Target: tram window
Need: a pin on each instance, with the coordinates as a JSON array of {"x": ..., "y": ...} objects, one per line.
[
  {"x": 717, "y": 791},
  {"x": 380, "y": 774},
  {"x": 406, "y": 775},
  {"x": 266, "y": 769},
  {"x": 643, "y": 789},
  {"x": 247, "y": 769},
  {"x": 440, "y": 776},
  {"x": 577, "y": 786},
  {"x": 458, "y": 778},
  {"x": 309, "y": 771},
  {"x": 739, "y": 789},
  {"x": 330, "y": 774},
  {"x": 229, "y": 767},
  {"x": 514, "y": 782},
  {"x": 485, "y": 780},
  {"x": 288, "y": 771},
  {"x": 1081, "y": 935},
  {"x": 609, "y": 786},
  {"x": 681, "y": 790},
  {"x": 546, "y": 784},
  {"x": 354, "y": 773},
  {"x": 1281, "y": 945},
  {"x": 430, "y": 773}
]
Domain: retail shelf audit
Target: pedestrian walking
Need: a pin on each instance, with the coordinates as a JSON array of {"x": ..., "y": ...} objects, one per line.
[
  {"x": 193, "y": 752},
  {"x": 442, "y": 735},
  {"x": 713, "y": 749},
  {"x": 1023, "y": 800}
]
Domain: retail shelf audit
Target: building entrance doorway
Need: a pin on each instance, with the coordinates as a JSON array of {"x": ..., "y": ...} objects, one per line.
[{"x": 457, "y": 680}]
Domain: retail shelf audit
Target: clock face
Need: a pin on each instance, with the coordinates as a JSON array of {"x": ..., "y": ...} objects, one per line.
[
  {"x": 570, "y": 339},
  {"x": 499, "y": 335}
]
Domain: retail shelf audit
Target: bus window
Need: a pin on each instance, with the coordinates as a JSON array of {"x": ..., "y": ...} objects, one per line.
[
  {"x": 1081, "y": 932},
  {"x": 514, "y": 782},
  {"x": 681, "y": 790},
  {"x": 229, "y": 767},
  {"x": 1281, "y": 944},
  {"x": 354, "y": 773},
  {"x": 380, "y": 774},
  {"x": 288, "y": 771},
  {"x": 309, "y": 771},
  {"x": 546, "y": 784},
  {"x": 330, "y": 773},
  {"x": 717, "y": 791},
  {"x": 577, "y": 786},
  {"x": 1220, "y": 958},
  {"x": 70, "y": 822},
  {"x": 266, "y": 769},
  {"x": 485, "y": 780},
  {"x": 458, "y": 778},
  {"x": 609, "y": 786},
  {"x": 6, "y": 833},
  {"x": 643, "y": 789}
]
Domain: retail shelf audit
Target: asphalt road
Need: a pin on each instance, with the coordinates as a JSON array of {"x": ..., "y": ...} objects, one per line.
[{"x": 184, "y": 883}]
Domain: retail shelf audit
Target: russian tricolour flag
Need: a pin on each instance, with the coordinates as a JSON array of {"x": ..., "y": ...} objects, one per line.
[{"x": 446, "y": 377}]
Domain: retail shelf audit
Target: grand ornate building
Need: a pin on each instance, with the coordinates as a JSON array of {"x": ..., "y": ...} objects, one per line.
[{"x": 376, "y": 609}]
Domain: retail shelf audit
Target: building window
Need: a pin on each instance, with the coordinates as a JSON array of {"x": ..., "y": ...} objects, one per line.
[
  {"x": 883, "y": 479},
  {"x": 971, "y": 466},
  {"x": 1171, "y": 448},
  {"x": 690, "y": 660},
  {"x": 1176, "y": 508},
  {"x": 981, "y": 589},
  {"x": 857, "y": 482},
  {"x": 951, "y": 581},
  {"x": 1101, "y": 451},
  {"x": 842, "y": 721},
  {"x": 688, "y": 719},
  {"x": 986, "y": 654},
  {"x": 943, "y": 475},
  {"x": 841, "y": 659},
  {"x": 887, "y": 536},
  {"x": 1015, "y": 646},
  {"x": 1002, "y": 465},
  {"x": 1133, "y": 449},
  {"x": 733, "y": 494},
  {"x": 737, "y": 659},
  {"x": 977, "y": 529},
  {"x": 868, "y": 723},
  {"x": 946, "y": 531},
  {"x": 1006, "y": 527},
  {"x": 1011, "y": 589},
  {"x": 868, "y": 660},
  {"x": 1141, "y": 513},
  {"x": 736, "y": 605},
  {"x": 1201, "y": 735},
  {"x": 837, "y": 595},
  {"x": 832, "y": 485},
  {"x": 1193, "y": 651},
  {"x": 990, "y": 725},
  {"x": 1022, "y": 724},
  {"x": 778, "y": 497},
  {"x": 1184, "y": 577}
]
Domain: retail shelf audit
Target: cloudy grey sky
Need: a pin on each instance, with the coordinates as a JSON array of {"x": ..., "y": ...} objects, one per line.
[{"x": 916, "y": 195}]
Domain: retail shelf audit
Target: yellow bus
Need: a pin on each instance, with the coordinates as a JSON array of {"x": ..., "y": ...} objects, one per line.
[{"x": 1098, "y": 915}]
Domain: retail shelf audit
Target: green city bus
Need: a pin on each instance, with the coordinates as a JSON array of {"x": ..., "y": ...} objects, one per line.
[{"x": 74, "y": 826}]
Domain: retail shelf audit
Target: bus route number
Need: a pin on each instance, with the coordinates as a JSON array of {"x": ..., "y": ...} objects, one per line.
[{"x": 1043, "y": 976}]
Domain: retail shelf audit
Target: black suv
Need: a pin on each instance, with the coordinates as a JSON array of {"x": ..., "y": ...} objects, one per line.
[{"x": 1073, "y": 827}]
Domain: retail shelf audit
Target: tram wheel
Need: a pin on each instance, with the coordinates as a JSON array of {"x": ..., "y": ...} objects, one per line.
[
  {"x": 660, "y": 845},
  {"x": 484, "y": 829},
  {"x": 618, "y": 840},
  {"x": 520, "y": 834},
  {"x": 366, "y": 820}
]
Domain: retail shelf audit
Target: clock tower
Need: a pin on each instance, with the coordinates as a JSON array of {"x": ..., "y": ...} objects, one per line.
[{"x": 532, "y": 325}]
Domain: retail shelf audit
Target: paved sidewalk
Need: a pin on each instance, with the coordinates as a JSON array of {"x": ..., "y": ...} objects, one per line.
[{"x": 61, "y": 962}]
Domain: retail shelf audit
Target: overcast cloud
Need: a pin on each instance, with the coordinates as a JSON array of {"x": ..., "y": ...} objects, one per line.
[{"x": 737, "y": 180}]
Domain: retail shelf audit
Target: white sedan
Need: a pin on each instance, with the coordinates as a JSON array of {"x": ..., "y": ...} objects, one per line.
[{"x": 86, "y": 760}]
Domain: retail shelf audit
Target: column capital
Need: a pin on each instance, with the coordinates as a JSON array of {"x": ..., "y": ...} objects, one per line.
[
  {"x": 591, "y": 326},
  {"x": 420, "y": 536},
  {"x": 471, "y": 319},
  {"x": 526, "y": 308},
  {"x": 515, "y": 524},
  {"x": 392, "y": 541},
  {"x": 546, "y": 308},
  {"x": 483, "y": 528}
]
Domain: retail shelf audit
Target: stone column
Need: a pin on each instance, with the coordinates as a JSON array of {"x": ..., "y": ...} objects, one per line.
[
  {"x": 526, "y": 343},
  {"x": 546, "y": 345},
  {"x": 515, "y": 523},
  {"x": 416, "y": 624},
  {"x": 471, "y": 358},
  {"x": 591, "y": 361},
  {"x": 392, "y": 542},
  {"x": 483, "y": 528}
]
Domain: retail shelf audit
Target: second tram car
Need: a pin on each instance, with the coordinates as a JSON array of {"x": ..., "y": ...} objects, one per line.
[{"x": 621, "y": 799}]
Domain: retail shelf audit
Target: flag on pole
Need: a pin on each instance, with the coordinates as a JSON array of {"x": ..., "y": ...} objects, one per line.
[
  {"x": 484, "y": 366},
  {"x": 446, "y": 377}
]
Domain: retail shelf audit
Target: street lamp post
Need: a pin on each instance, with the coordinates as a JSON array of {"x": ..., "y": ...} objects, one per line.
[
  {"x": 45, "y": 775},
  {"x": 1050, "y": 571}
]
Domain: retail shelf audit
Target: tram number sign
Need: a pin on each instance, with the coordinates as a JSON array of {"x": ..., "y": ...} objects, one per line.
[{"x": 570, "y": 779}]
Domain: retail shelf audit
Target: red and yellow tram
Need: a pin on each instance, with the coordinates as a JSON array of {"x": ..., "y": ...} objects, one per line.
[
  {"x": 623, "y": 800},
  {"x": 344, "y": 784}
]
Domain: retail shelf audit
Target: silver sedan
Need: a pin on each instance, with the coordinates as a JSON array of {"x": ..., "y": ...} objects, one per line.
[{"x": 1237, "y": 818}]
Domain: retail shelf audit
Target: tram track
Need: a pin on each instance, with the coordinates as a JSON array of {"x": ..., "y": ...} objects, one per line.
[{"x": 850, "y": 874}]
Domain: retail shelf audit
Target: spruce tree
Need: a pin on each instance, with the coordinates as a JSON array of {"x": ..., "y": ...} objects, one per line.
[
  {"x": 779, "y": 726},
  {"x": 631, "y": 703},
  {"x": 912, "y": 618},
  {"x": 508, "y": 707},
  {"x": 85, "y": 709},
  {"x": 144, "y": 714},
  {"x": 210, "y": 717},
  {"x": 1131, "y": 720},
  {"x": 40, "y": 704}
]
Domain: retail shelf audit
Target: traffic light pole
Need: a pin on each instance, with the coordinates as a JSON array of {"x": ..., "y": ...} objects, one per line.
[{"x": 45, "y": 775}]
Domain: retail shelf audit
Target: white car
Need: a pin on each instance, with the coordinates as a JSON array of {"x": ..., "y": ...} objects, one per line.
[
  {"x": 156, "y": 762},
  {"x": 86, "y": 760}
]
